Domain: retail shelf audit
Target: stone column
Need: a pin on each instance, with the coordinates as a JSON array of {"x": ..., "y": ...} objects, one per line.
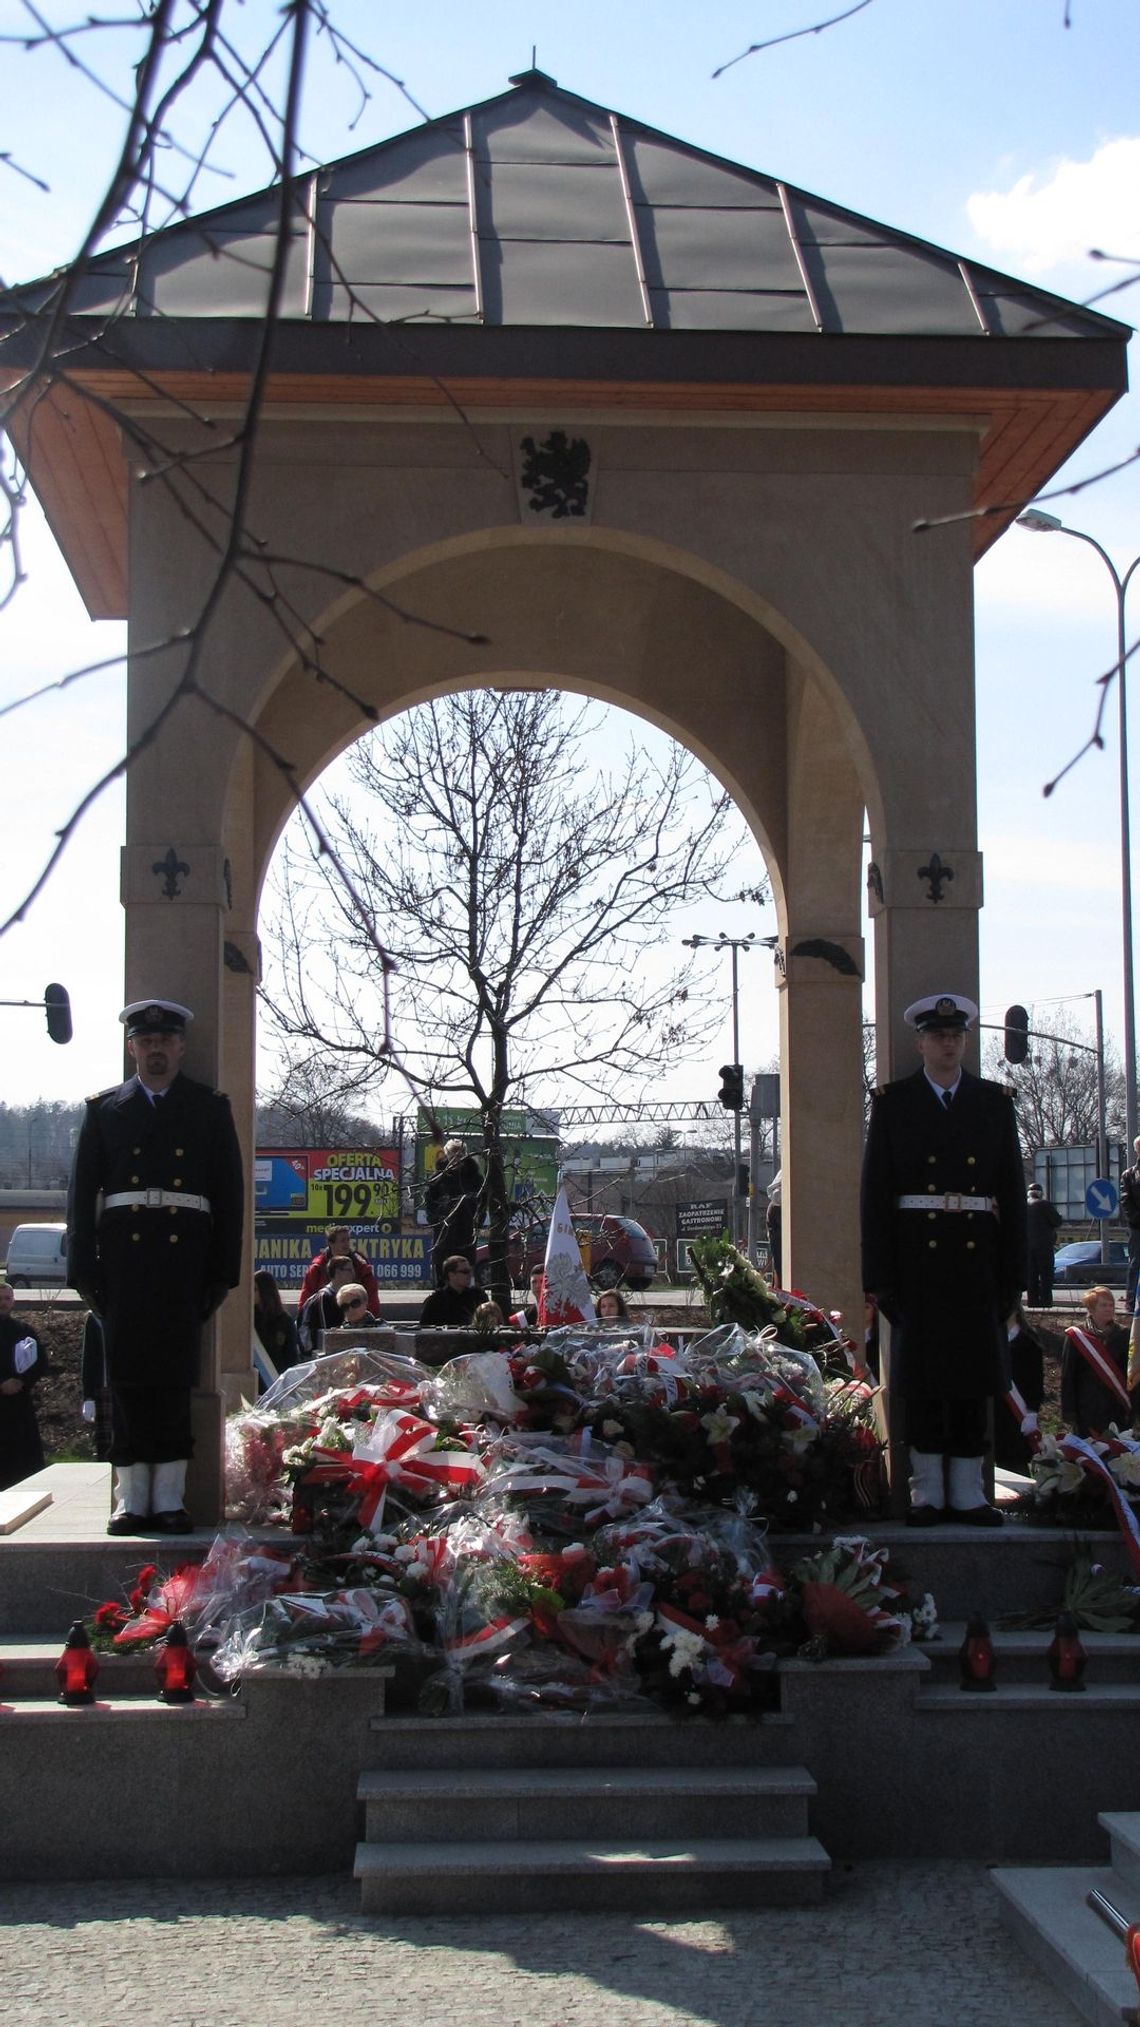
[{"x": 820, "y": 967}]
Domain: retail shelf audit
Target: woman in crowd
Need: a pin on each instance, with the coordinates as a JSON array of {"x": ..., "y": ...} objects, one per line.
[
  {"x": 276, "y": 1330},
  {"x": 610, "y": 1306}
]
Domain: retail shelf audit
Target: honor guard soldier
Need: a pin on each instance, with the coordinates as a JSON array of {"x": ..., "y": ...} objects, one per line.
[
  {"x": 154, "y": 1229},
  {"x": 943, "y": 1219}
]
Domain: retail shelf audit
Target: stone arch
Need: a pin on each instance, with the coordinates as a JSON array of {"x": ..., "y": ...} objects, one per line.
[{"x": 671, "y": 637}]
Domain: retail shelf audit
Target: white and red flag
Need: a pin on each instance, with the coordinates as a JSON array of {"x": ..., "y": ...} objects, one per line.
[{"x": 565, "y": 1296}]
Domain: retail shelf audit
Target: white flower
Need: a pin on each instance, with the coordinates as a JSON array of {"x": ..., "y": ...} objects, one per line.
[
  {"x": 1126, "y": 1468},
  {"x": 711, "y": 1622},
  {"x": 799, "y": 1439},
  {"x": 720, "y": 1425},
  {"x": 792, "y": 1498}
]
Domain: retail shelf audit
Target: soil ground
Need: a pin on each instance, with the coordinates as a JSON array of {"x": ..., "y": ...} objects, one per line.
[{"x": 68, "y": 1439}]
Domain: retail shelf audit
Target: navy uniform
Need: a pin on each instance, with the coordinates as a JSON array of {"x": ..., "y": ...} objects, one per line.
[
  {"x": 155, "y": 1214},
  {"x": 943, "y": 1219}
]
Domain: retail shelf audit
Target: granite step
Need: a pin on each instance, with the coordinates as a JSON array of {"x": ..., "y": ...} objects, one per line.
[
  {"x": 464, "y": 1805},
  {"x": 1046, "y": 1908},
  {"x": 535, "y": 1876},
  {"x": 480, "y": 1741}
]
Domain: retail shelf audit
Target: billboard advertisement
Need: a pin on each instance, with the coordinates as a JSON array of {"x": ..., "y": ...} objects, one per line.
[
  {"x": 336, "y": 1184},
  {"x": 300, "y": 1191}
]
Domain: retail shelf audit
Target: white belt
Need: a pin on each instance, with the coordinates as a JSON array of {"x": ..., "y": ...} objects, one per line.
[
  {"x": 154, "y": 1200},
  {"x": 949, "y": 1202}
]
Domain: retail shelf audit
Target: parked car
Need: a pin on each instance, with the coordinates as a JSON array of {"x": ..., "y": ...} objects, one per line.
[
  {"x": 1080, "y": 1266},
  {"x": 37, "y": 1257},
  {"x": 615, "y": 1251}
]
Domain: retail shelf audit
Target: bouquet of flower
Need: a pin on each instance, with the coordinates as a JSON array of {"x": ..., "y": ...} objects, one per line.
[{"x": 851, "y": 1603}]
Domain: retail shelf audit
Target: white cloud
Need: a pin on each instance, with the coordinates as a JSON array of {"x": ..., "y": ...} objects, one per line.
[{"x": 1037, "y": 225}]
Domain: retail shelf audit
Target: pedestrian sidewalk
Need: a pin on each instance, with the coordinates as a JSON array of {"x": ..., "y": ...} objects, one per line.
[{"x": 916, "y": 1943}]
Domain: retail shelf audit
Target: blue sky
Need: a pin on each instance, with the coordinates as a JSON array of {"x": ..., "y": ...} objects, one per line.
[{"x": 982, "y": 125}]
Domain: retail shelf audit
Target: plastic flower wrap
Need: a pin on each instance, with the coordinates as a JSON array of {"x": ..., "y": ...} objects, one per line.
[
  {"x": 482, "y": 1612},
  {"x": 472, "y": 1388},
  {"x": 310, "y": 1632},
  {"x": 565, "y": 1483},
  {"x": 353, "y": 1378}
]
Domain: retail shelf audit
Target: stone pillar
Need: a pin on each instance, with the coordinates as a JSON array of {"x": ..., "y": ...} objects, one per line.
[{"x": 820, "y": 967}]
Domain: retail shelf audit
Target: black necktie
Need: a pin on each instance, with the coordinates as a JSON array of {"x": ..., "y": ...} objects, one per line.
[{"x": 947, "y": 1100}]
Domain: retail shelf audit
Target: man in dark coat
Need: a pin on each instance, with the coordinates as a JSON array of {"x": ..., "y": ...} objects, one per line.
[
  {"x": 22, "y": 1363},
  {"x": 154, "y": 1221},
  {"x": 1043, "y": 1220},
  {"x": 943, "y": 1214},
  {"x": 1130, "y": 1212},
  {"x": 453, "y": 1305},
  {"x": 454, "y": 1201}
]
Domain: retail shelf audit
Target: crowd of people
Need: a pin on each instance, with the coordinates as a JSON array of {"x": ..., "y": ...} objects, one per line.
[{"x": 951, "y": 1238}]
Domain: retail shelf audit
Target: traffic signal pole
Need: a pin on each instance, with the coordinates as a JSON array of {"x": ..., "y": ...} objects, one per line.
[{"x": 736, "y": 1215}]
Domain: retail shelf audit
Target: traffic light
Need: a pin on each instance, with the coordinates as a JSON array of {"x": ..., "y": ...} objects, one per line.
[
  {"x": 732, "y": 1087},
  {"x": 1016, "y": 1035},
  {"x": 57, "y": 1002}
]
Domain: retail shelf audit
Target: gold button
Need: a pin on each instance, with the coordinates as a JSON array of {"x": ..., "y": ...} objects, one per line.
[
  {"x": 969, "y": 1214},
  {"x": 174, "y": 1238},
  {"x": 969, "y": 1245},
  {"x": 180, "y": 1151},
  {"x": 930, "y": 1158},
  {"x": 177, "y": 1182},
  {"x": 932, "y": 1243},
  {"x": 135, "y": 1237},
  {"x": 932, "y": 1214},
  {"x": 970, "y": 1162},
  {"x": 930, "y": 1189},
  {"x": 136, "y": 1150},
  {"x": 134, "y": 1178}
]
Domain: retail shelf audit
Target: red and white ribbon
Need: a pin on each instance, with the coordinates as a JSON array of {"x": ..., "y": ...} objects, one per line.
[{"x": 1081, "y": 1452}]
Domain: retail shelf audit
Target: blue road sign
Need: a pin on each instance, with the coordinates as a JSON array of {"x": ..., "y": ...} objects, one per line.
[{"x": 1101, "y": 1198}]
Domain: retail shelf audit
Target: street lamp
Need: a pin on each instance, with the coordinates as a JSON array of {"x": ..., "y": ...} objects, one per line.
[
  {"x": 733, "y": 943},
  {"x": 1040, "y": 523}
]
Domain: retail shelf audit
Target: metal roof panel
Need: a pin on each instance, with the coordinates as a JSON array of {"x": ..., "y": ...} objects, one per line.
[
  {"x": 399, "y": 243},
  {"x": 553, "y": 201},
  {"x": 722, "y": 250},
  {"x": 533, "y": 127},
  {"x": 662, "y": 172},
  {"x": 539, "y": 282},
  {"x": 731, "y": 310}
]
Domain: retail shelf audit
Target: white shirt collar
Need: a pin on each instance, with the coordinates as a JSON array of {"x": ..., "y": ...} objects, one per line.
[{"x": 940, "y": 1090}]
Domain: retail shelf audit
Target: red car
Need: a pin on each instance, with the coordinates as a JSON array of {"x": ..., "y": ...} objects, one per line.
[{"x": 616, "y": 1252}]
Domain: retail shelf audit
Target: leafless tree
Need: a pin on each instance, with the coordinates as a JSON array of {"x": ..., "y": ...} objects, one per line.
[
  {"x": 1056, "y": 1090},
  {"x": 517, "y": 891}
]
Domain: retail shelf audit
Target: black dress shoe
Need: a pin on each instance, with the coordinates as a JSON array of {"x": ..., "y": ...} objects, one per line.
[
  {"x": 975, "y": 1516},
  {"x": 129, "y": 1523},
  {"x": 925, "y": 1516},
  {"x": 178, "y": 1522}
]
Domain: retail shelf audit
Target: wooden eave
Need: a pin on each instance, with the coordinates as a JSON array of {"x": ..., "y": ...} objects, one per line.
[{"x": 1039, "y": 399}]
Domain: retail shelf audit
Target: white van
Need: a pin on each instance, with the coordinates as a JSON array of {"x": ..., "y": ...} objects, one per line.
[{"x": 37, "y": 1257}]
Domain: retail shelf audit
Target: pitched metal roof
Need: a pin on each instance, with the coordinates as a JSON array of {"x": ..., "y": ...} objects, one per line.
[{"x": 539, "y": 208}]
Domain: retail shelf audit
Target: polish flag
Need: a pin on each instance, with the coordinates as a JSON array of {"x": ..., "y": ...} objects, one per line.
[{"x": 565, "y": 1296}]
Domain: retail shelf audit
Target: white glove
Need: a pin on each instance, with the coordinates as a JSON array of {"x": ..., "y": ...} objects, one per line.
[{"x": 89, "y": 1411}]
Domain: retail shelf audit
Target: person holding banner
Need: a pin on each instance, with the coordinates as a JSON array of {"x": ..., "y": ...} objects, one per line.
[{"x": 1094, "y": 1383}]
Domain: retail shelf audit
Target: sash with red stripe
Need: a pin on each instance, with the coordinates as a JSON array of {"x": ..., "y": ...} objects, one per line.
[{"x": 1097, "y": 1357}]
